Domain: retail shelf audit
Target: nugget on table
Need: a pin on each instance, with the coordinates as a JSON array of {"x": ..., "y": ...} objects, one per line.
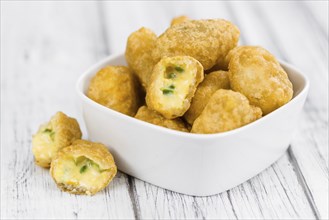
[
  {"x": 83, "y": 168},
  {"x": 59, "y": 132},
  {"x": 226, "y": 110},
  {"x": 173, "y": 84},
  {"x": 116, "y": 88}
]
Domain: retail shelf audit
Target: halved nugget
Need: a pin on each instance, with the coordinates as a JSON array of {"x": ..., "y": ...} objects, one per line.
[
  {"x": 211, "y": 83},
  {"x": 173, "y": 84},
  {"x": 83, "y": 168},
  {"x": 226, "y": 110},
  {"x": 116, "y": 88},
  {"x": 139, "y": 54},
  {"x": 153, "y": 117},
  {"x": 59, "y": 132},
  {"x": 208, "y": 41},
  {"x": 256, "y": 73}
]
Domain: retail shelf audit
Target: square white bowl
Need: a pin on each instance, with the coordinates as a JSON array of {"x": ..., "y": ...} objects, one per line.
[{"x": 193, "y": 164}]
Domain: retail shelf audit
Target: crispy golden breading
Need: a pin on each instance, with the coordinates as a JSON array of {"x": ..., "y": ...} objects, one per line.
[
  {"x": 116, "y": 88},
  {"x": 208, "y": 41},
  {"x": 153, "y": 117},
  {"x": 178, "y": 20},
  {"x": 83, "y": 168},
  {"x": 211, "y": 83},
  {"x": 255, "y": 72},
  {"x": 173, "y": 84},
  {"x": 139, "y": 54},
  {"x": 59, "y": 132},
  {"x": 226, "y": 110}
]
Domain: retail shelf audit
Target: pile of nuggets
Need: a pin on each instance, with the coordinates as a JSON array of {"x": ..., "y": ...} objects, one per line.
[{"x": 193, "y": 78}]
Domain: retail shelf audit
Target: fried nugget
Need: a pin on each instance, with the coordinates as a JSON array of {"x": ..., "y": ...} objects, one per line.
[
  {"x": 226, "y": 110},
  {"x": 83, "y": 168},
  {"x": 211, "y": 83},
  {"x": 173, "y": 84},
  {"x": 153, "y": 117},
  {"x": 255, "y": 72},
  {"x": 208, "y": 41},
  {"x": 178, "y": 20},
  {"x": 139, "y": 54},
  {"x": 59, "y": 132},
  {"x": 116, "y": 88}
]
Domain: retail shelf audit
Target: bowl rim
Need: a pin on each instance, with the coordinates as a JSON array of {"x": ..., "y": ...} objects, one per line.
[{"x": 91, "y": 70}]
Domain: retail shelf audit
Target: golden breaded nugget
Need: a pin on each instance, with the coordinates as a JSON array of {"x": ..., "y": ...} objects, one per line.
[
  {"x": 83, "y": 168},
  {"x": 116, "y": 88},
  {"x": 153, "y": 117},
  {"x": 173, "y": 84},
  {"x": 208, "y": 41},
  {"x": 178, "y": 20},
  {"x": 255, "y": 72},
  {"x": 211, "y": 83},
  {"x": 139, "y": 54},
  {"x": 226, "y": 110},
  {"x": 59, "y": 132}
]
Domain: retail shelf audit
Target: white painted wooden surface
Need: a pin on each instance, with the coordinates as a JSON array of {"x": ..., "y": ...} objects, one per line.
[{"x": 45, "y": 46}]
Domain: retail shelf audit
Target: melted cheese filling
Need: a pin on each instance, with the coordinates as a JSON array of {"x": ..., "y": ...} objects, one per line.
[
  {"x": 174, "y": 85},
  {"x": 44, "y": 147},
  {"x": 80, "y": 172}
]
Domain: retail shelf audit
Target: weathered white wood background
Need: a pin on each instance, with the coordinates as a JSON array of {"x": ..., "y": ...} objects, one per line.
[{"x": 46, "y": 45}]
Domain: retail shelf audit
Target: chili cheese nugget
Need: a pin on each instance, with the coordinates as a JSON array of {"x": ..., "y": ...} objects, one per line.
[
  {"x": 255, "y": 72},
  {"x": 83, "y": 168},
  {"x": 173, "y": 84},
  {"x": 153, "y": 117},
  {"x": 178, "y": 20},
  {"x": 208, "y": 41},
  {"x": 211, "y": 83},
  {"x": 115, "y": 87},
  {"x": 139, "y": 54},
  {"x": 226, "y": 110},
  {"x": 59, "y": 132}
]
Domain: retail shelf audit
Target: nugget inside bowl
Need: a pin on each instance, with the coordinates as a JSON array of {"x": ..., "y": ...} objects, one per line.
[{"x": 193, "y": 164}]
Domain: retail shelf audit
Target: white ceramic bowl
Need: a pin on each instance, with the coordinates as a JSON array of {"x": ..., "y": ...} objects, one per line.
[{"x": 193, "y": 164}]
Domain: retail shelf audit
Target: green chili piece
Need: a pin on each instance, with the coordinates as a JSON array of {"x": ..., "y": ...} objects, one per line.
[
  {"x": 167, "y": 91},
  {"x": 171, "y": 75},
  {"x": 179, "y": 69},
  {"x": 83, "y": 169},
  {"x": 47, "y": 130}
]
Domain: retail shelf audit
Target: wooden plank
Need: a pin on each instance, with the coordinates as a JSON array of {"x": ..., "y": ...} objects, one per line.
[
  {"x": 45, "y": 47},
  {"x": 275, "y": 193},
  {"x": 75, "y": 34},
  {"x": 297, "y": 39}
]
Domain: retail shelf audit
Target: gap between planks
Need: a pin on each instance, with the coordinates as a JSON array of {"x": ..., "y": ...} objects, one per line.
[
  {"x": 282, "y": 53},
  {"x": 131, "y": 180},
  {"x": 107, "y": 51}
]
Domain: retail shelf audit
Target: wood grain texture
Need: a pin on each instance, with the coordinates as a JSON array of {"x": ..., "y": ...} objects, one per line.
[
  {"x": 189, "y": 208},
  {"x": 286, "y": 34},
  {"x": 46, "y": 45}
]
